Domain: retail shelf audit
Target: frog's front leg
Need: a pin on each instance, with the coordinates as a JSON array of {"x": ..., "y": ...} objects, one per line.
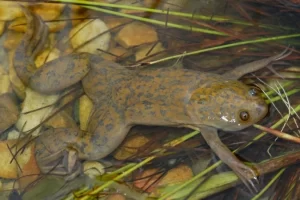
[
  {"x": 240, "y": 71},
  {"x": 244, "y": 172}
]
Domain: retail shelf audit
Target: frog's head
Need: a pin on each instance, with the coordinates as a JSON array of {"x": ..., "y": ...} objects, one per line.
[{"x": 229, "y": 105}]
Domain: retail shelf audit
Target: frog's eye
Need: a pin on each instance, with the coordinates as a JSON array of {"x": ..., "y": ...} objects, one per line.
[
  {"x": 244, "y": 115},
  {"x": 254, "y": 91}
]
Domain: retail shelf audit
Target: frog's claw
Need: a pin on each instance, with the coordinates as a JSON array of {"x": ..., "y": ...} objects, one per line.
[
  {"x": 255, "y": 65},
  {"x": 246, "y": 175},
  {"x": 63, "y": 163},
  {"x": 244, "y": 172},
  {"x": 54, "y": 156},
  {"x": 32, "y": 43}
]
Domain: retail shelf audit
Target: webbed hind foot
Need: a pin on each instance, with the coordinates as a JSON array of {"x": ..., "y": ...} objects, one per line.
[
  {"x": 64, "y": 163},
  {"x": 32, "y": 43}
]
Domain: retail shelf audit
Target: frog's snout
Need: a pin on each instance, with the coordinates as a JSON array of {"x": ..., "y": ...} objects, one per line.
[{"x": 261, "y": 110}]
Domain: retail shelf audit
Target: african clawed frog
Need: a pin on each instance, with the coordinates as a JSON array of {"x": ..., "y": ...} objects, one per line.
[{"x": 168, "y": 96}]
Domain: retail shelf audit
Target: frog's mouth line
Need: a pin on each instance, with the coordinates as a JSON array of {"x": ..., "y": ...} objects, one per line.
[
  {"x": 271, "y": 112},
  {"x": 229, "y": 127},
  {"x": 198, "y": 127}
]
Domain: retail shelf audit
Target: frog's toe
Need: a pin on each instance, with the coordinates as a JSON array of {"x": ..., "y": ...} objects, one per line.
[
  {"x": 76, "y": 171},
  {"x": 70, "y": 161},
  {"x": 38, "y": 32},
  {"x": 288, "y": 51},
  {"x": 247, "y": 176},
  {"x": 40, "y": 38},
  {"x": 64, "y": 163}
]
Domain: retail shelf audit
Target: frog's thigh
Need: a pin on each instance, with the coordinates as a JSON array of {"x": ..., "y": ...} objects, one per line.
[
  {"x": 106, "y": 129},
  {"x": 60, "y": 73}
]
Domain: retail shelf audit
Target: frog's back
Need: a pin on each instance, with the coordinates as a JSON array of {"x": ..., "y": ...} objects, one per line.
[
  {"x": 104, "y": 75},
  {"x": 165, "y": 86},
  {"x": 173, "y": 75},
  {"x": 107, "y": 80}
]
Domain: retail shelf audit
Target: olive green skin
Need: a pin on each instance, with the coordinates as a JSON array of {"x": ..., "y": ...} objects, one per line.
[
  {"x": 167, "y": 97},
  {"x": 122, "y": 97}
]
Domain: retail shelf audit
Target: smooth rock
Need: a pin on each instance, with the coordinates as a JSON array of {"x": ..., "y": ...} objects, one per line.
[
  {"x": 10, "y": 10},
  {"x": 86, "y": 32},
  {"x": 135, "y": 34}
]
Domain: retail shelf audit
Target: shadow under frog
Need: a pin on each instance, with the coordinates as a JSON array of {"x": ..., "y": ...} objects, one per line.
[{"x": 168, "y": 96}]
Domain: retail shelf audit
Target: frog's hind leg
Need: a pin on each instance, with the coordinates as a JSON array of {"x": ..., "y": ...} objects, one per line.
[
  {"x": 39, "y": 32},
  {"x": 65, "y": 147},
  {"x": 105, "y": 133},
  {"x": 53, "y": 76},
  {"x": 31, "y": 44},
  {"x": 65, "y": 163},
  {"x": 53, "y": 155},
  {"x": 61, "y": 73},
  {"x": 255, "y": 65}
]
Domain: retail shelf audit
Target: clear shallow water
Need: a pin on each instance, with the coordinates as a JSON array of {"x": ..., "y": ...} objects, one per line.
[{"x": 278, "y": 18}]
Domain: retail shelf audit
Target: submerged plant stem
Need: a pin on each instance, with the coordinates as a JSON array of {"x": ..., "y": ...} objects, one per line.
[
  {"x": 134, "y": 167},
  {"x": 269, "y": 184},
  {"x": 278, "y": 133},
  {"x": 289, "y": 93},
  {"x": 260, "y": 40},
  {"x": 172, "y": 13},
  {"x": 212, "y": 167},
  {"x": 153, "y": 21},
  {"x": 277, "y": 124}
]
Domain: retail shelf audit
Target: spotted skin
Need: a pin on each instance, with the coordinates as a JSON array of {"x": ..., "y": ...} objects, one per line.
[{"x": 123, "y": 98}]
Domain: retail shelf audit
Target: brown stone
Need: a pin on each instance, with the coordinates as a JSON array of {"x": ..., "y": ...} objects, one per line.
[
  {"x": 9, "y": 112},
  {"x": 113, "y": 22},
  {"x": 2, "y": 26},
  {"x": 61, "y": 120},
  {"x": 10, "y": 10},
  {"x": 56, "y": 26},
  {"x": 46, "y": 56},
  {"x": 148, "y": 50},
  {"x": 115, "y": 53},
  {"x": 167, "y": 4},
  {"x": 130, "y": 3},
  {"x": 20, "y": 25},
  {"x": 48, "y": 11},
  {"x": 89, "y": 36},
  {"x": 8, "y": 170},
  {"x": 78, "y": 14},
  {"x": 12, "y": 40},
  {"x": 5, "y": 85},
  {"x": 135, "y": 34},
  {"x": 30, "y": 169},
  {"x": 178, "y": 174},
  {"x": 130, "y": 147},
  {"x": 85, "y": 108},
  {"x": 116, "y": 197}
]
